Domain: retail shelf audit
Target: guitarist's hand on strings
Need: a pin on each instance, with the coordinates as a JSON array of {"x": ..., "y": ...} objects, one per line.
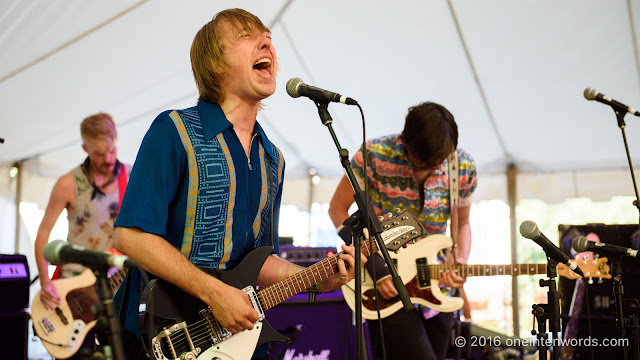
[
  {"x": 233, "y": 310},
  {"x": 344, "y": 275},
  {"x": 385, "y": 287},
  {"x": 451, "y": 279},
  {"x": 49, "y": 295}
]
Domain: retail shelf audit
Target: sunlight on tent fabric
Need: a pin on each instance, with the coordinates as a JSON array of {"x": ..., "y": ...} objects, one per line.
[
  {"x": 490, "y": 297},
  {"x": 32, "y": 216}
]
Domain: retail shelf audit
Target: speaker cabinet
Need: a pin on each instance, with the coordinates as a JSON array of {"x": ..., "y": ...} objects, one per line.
[
  {"x": 14, "y": 282},
  {"x": 319, "y": 330},
  {"x": 600, "y": 292},
  {"x": 13, "y": 335}
]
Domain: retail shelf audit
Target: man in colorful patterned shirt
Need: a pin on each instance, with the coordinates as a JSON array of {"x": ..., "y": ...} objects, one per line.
[
  {"x": 206, "y": 185},
  {"x": 91, "y": 195},
  {"x": 411, "y": 171}
]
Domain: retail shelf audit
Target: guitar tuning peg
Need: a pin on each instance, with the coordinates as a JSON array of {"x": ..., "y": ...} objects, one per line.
[
  {"x": 600, "y": 281},
  {"x": 397, "y": 210},
  {"x": 389, "y": 215},
  {"x": 590, "y": 281},
  {"x": 381, "y": 218}
]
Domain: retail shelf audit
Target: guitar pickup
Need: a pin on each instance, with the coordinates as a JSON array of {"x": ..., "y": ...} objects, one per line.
[
  {"x": 61, "y": 316},
  {"x": 255, "y": 301},
  {"x": 424, "y": 275}
]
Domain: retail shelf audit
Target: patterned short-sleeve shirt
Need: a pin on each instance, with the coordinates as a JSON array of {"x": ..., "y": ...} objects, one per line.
[{"x": 392, "y": 183}]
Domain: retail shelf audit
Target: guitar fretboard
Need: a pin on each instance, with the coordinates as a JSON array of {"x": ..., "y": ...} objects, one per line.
[
  {"x": 487, "y": 270},
  {"x": 304, "y": 279},
  {"x": 115, "y": 280}
]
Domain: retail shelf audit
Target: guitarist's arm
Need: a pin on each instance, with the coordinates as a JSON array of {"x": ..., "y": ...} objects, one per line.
[
  {"x": 460, "y": 251},
  {"x": 62, "y": 196},
  {"x": 230, "y": 306},
  {"x": 339, "y": 212}
]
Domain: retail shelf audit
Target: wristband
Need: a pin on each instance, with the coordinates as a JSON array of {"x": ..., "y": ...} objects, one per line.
[{"x": 345, "y": 233}]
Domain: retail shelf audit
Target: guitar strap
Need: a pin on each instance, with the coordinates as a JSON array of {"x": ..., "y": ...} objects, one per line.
[
  {"x": 122, "y": 185},
  {"x": 273, "y": 199},
  {"x": 454, "y": 195}
]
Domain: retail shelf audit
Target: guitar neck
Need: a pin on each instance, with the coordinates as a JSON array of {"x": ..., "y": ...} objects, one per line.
[
  {"x": 304, "y": 279},
  {"x": 116, "y": 279},
  {"x": 487, "y": 270}
]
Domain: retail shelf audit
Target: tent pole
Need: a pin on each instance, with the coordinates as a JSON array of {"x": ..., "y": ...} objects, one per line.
[
  {"x": 312, "y": 173},
  {"x": 18, "y": 198},
  {"x": 512, "y": 174}
]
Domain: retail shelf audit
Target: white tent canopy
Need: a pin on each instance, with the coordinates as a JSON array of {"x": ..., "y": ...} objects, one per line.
[{"x": 512, "y": 73}]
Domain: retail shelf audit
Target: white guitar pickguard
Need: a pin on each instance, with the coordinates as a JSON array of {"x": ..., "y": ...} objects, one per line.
[{"x": 238, "y": 347}]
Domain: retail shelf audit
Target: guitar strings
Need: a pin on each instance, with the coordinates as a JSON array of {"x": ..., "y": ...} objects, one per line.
[
  {"x": 271, "y": 291},
  {"x": 200, "y": 331},
  {"x": 204, "y": 330}
]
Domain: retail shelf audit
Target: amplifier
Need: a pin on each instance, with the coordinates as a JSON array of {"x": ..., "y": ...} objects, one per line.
[
  {"x": 306, "y": 256},
  {"x": 14, "y": 282},
  {"x": 320, "y": 330},
  {"x": 601, "y": 299},
  {"x": 13, "y": 334},
  {"x": 600, "y": 291}
]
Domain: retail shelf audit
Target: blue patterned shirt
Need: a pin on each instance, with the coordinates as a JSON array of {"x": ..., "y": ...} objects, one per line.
[{"x": 193, "y": 185}]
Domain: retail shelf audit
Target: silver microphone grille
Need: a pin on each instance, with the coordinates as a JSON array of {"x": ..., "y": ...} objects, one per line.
[
  {"x": 529, "y": 229},
  {"x": 292, "y": 87},
  {"x": 590, "y": 93},
  {"x": 579, "y": 244}
]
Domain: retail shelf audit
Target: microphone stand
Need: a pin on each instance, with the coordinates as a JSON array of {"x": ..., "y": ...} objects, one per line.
[
  {"x": 620, "y": 117},
  {"x": 632, "y": 307},
  {"x": 618, "y": 293},
  {"x": 108, "y": 324},
  {"x": 549, "y": 311},
  {"x": 364, "y": 217}
]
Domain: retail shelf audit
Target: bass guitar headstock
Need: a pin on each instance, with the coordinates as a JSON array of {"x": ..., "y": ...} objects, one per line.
[{"x": 596, "y": 268}]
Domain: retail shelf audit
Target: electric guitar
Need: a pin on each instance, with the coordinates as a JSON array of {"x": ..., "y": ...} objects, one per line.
[
  {"x": 63, "y": 329},
  {"x": 420, "y": 271},
  {"x": 176, "y": 325}
]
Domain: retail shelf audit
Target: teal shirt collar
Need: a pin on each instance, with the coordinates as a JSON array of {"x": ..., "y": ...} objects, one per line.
[{"x": 214, "y": 122}]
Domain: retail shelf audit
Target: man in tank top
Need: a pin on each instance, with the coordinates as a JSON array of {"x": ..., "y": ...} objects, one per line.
[{"x": 91, "y": 194}]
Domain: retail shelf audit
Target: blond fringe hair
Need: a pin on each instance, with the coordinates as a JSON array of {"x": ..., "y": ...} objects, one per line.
[{"x": 207, "y": 62}]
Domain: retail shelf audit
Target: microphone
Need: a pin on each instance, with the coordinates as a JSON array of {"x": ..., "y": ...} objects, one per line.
[
  {"x": 296, "y": 88},
  {"x": 529, "y": 229},
  {"x": 582, "y": 244},
  {"x": 59, "y": 252},
  {"x": 593, "y": 94}
]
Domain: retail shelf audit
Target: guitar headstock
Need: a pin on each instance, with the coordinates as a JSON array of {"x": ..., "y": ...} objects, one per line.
[
  {"x": 592, "y": 268},
  {"x": 400, "y": 228}
]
